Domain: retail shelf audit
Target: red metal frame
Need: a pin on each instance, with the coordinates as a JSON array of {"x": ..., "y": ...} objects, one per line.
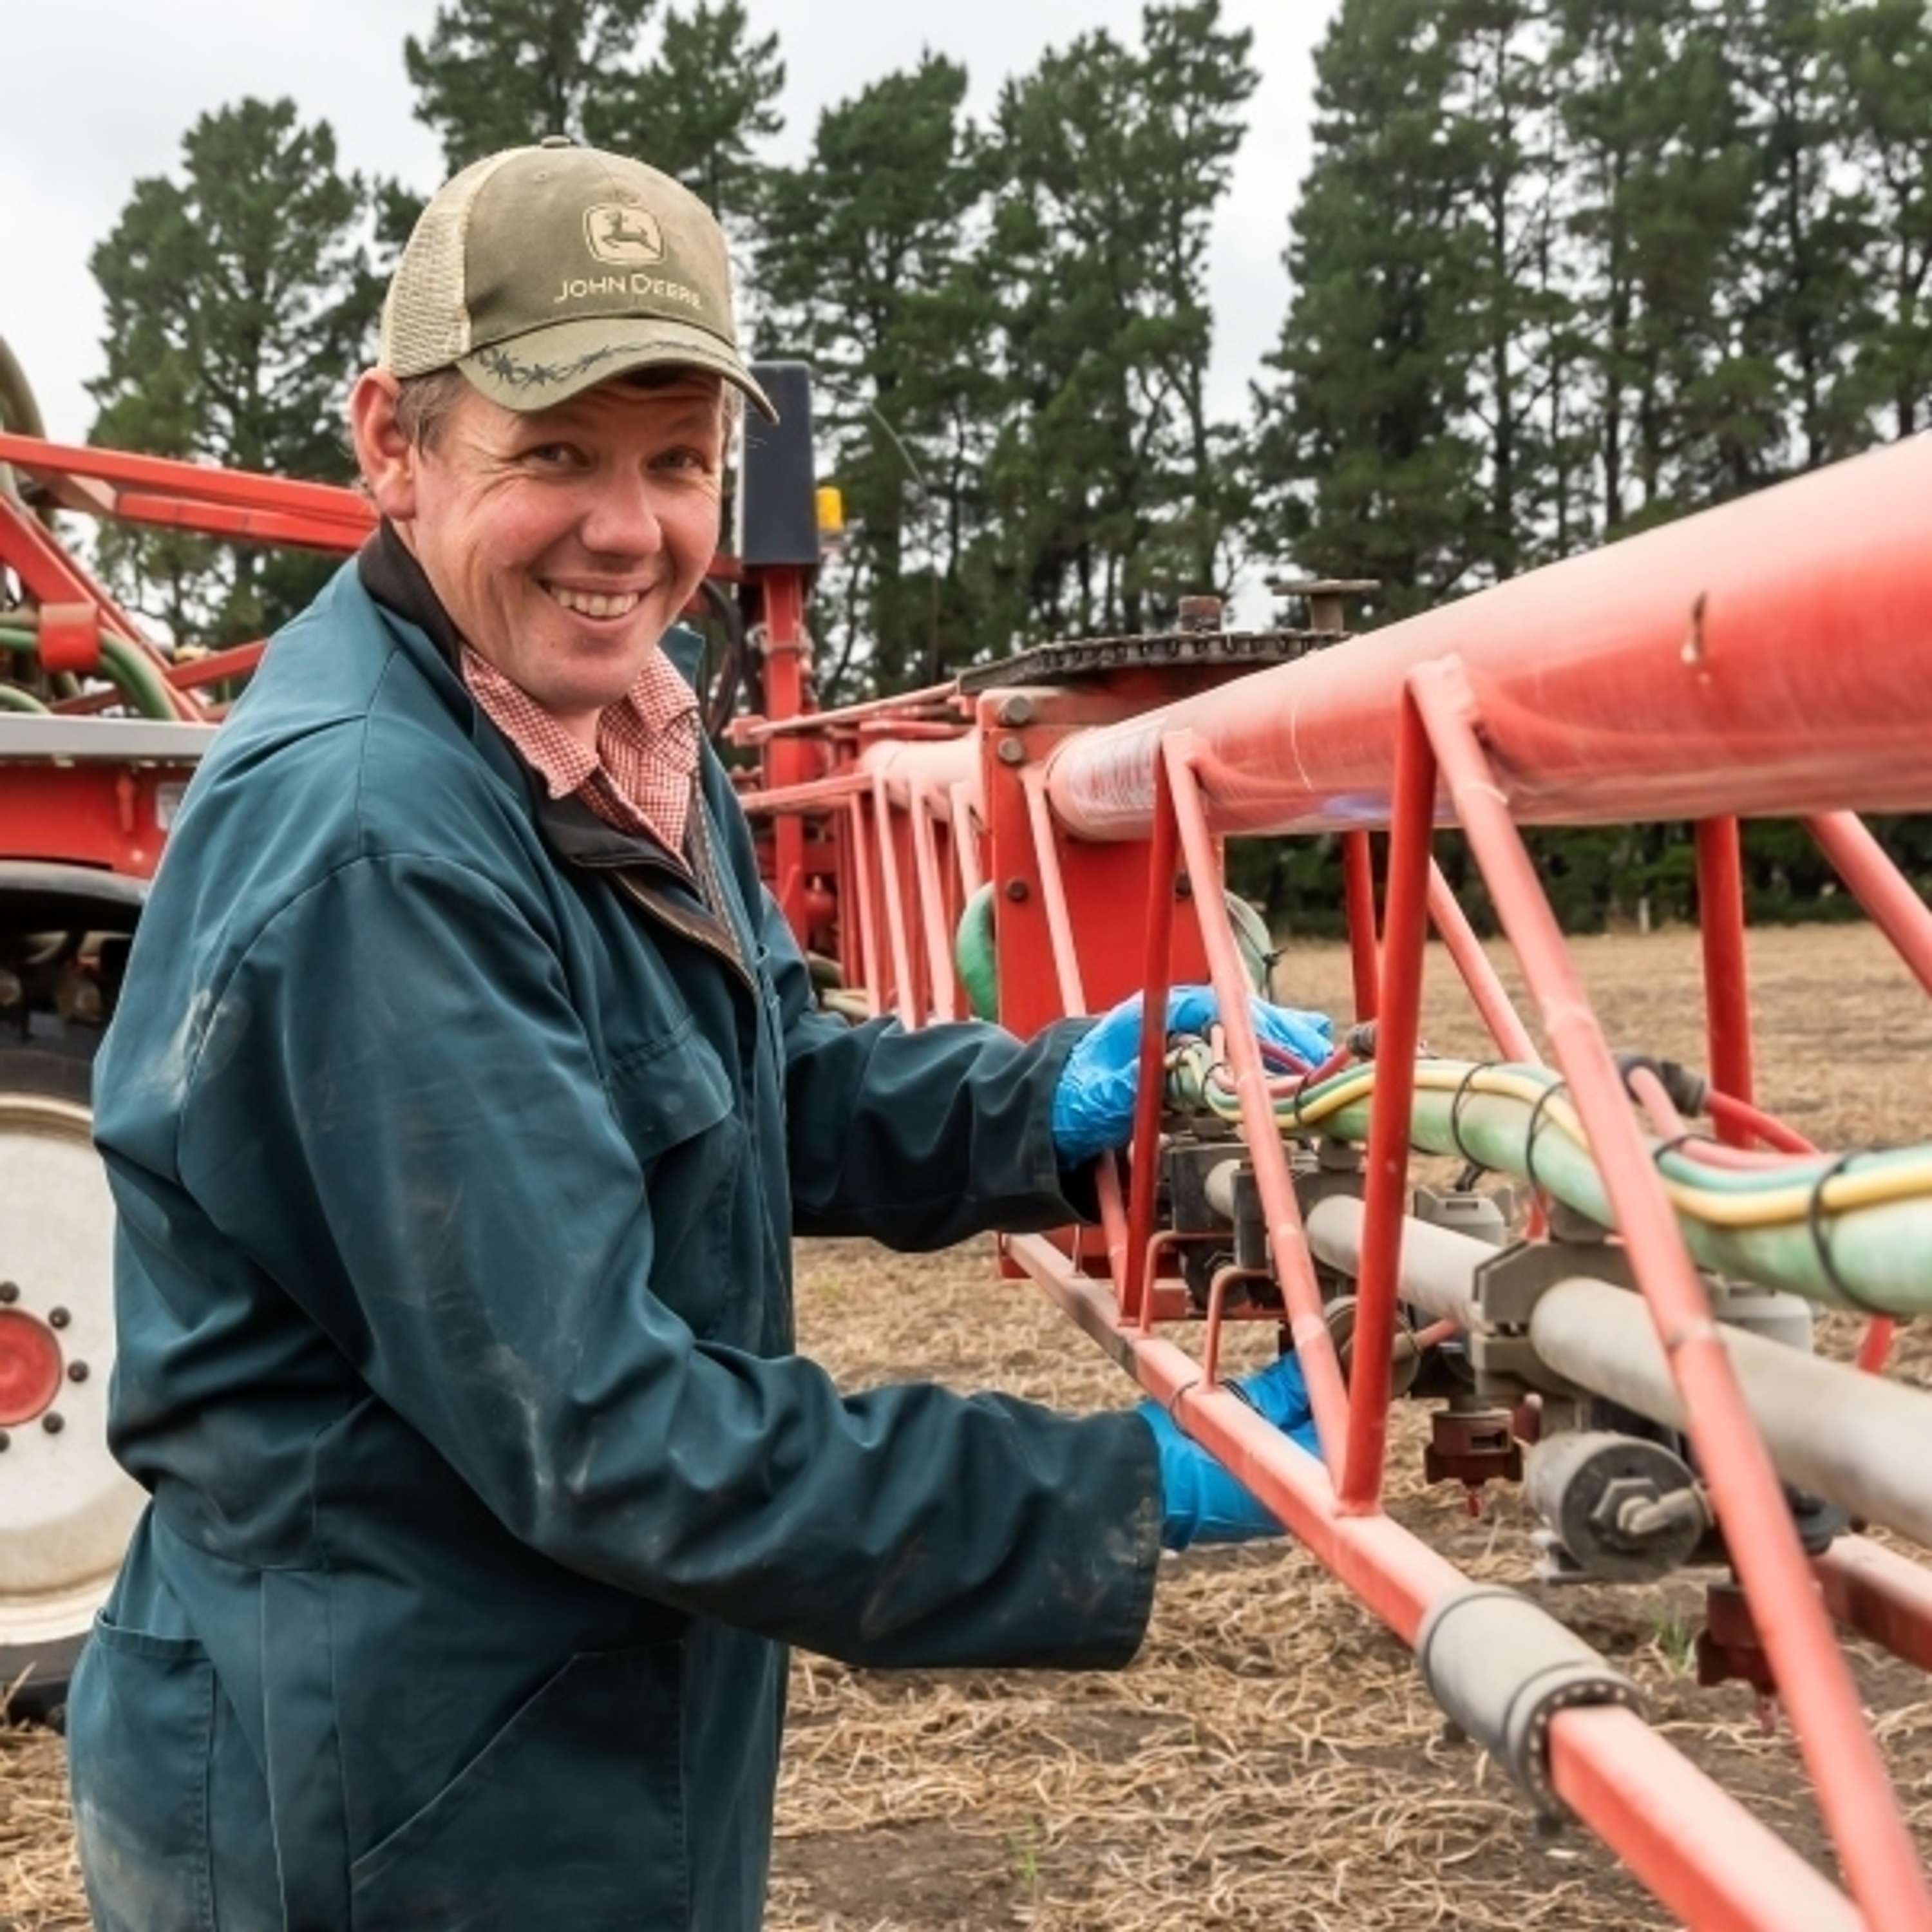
[
  {"x": 1705, "y": 670},
  {"x": 1702, "y": 671}
]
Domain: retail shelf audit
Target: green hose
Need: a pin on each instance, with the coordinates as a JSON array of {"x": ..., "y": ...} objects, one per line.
[
  {"x": 12, "y": 698},
  {"x": 1883, "y": 1254},
  {"x": 976, "y": 956},
  {"x": 1855, "y": 1234},
  {"x": 140, "y": 683}
]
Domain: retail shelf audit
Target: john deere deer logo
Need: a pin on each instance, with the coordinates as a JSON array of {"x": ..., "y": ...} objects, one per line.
[{"x": 614, "y": 231}]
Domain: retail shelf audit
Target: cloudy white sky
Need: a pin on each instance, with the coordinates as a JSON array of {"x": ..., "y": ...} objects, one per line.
[{"x": 99, "y": 92}]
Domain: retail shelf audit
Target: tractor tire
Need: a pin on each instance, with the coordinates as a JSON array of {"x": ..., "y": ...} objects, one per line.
[{"x": 67, "y": 1508}]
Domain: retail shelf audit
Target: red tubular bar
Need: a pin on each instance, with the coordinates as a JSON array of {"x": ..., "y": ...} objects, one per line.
[
  {"x": 325, "y": 503},
  {"x": 1720, "y": 922},
  {"x": 1485, "y": 984},
  {"x": 1398, "y": 1028},
  {"x": 1701, "y": 1852},
  {"x": 1848, "y": 1776},
  {"x": 868, "y": 938},
  {"x": 1358, "y": 897},
  {"x": 1875, "y": 1590},
  {"x": 906, "y": 991},
  {"x": 1287, "y": 1244},
  {"x": 1713, "y": 665},
  {"x": 1073, "y": 1000},
  {"x": 932, "y": 909},
  {"x": 965, "y": 836},
  {"x": 1879, "y": 886},
  {"x": 1697, "y": 1848},
  {"x": 1136, "y": 1288}
]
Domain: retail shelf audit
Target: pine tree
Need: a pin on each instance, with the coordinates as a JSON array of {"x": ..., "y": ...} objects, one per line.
[
  {"x": 1659, "y": 172},
  {"x": 239, "y": 306},
  {"x": 499, "y": 73},
  {"x": 698, "y": 107},
  {"x": 1502, "y": 141},
  {"x": 1364, "y": 462},
  {"x": 863, "y": 271},
  {"x": 1116, "y": 491},
  {"x": 1880, "y": 55},
  {"x": 1807, "y": 243}
]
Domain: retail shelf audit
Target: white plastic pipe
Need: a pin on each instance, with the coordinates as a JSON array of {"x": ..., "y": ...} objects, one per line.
[{"x": 1859, "y": 1441}]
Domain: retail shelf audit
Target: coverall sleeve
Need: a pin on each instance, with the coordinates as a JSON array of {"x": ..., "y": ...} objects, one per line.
[
  {"x": 918, "y": 1139},
  {"x": 396, "y": 1114}
]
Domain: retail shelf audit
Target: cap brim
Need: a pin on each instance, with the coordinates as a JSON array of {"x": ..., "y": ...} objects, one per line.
[{"x": 547, "y": 366}]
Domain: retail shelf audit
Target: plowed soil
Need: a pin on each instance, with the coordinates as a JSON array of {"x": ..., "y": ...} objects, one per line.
[{"x": 1270, "y": 1760}]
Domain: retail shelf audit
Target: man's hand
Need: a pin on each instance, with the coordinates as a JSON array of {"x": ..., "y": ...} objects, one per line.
[
  {"x": 1200, "y": 1501},
  {"x": 1093, "y": 1104}
]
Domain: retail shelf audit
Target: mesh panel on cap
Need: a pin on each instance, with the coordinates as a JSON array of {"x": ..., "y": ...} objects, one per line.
[{"x": 425, "y": 319}]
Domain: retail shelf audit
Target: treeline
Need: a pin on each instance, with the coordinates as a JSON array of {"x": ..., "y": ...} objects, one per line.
[
  {"x": 1560, "y": 268},
  {"x": 1565, "y": 269}
]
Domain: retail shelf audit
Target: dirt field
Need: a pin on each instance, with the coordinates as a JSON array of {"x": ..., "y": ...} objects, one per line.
[{"x": 1270, "y": 1761}]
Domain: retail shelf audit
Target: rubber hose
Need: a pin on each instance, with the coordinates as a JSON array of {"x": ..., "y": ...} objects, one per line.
[
  {"x": 139, "y": 682},
  {"x": 12, "y": 698},
  {"x": 1882, "y": 1254},
  {"x": 976, "y": 956}
]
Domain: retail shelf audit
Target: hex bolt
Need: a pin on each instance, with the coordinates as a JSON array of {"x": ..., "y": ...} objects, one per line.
[
  {"x": 1016, "y": 889},
  {"x": 57, "y": 1318},
  {"x": 1017, "y": 710},
  {"x": 53, "y": 1422},
  {"x": 6, "y": 1441},
  {"x": 9, "y": 1292},
  {"x": 1011, "y": 751},
  {"x": 77, "y": 1372}
]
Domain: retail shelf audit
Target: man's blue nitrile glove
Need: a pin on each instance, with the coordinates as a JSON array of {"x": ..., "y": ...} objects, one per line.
[
  {"x": 1093, "y": 1104},
  {"x": 1200, "y": 1502}
]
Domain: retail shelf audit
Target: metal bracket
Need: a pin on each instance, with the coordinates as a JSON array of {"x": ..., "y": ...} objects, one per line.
[{"x": 1506, "y": 1288}]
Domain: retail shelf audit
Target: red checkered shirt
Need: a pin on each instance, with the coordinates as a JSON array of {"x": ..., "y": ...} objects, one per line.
[{"x": 638, "y": 779}]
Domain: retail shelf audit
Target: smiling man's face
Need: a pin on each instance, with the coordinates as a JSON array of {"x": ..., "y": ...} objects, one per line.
[{"x": 564, "y": 542}]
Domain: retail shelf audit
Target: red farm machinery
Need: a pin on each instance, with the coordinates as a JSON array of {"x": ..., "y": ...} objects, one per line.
[{"x": 1625, "y": 1326}]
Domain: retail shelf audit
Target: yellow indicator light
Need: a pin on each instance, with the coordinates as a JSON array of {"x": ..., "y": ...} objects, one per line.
[{"x": 831, "y": 509}]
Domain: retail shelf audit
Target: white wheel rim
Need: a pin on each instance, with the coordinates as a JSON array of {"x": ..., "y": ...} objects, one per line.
[{"x": 66, "y": 1507}]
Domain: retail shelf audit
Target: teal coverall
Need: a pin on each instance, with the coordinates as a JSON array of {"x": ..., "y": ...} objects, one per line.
[{"x": 458, "y": 1141}]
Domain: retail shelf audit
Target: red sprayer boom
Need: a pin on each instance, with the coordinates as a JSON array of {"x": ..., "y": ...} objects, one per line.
[{"x": 1049, "y": 836}]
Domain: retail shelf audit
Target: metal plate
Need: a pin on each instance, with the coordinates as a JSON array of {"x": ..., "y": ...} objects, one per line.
[{"x": 1164, "y": 650}]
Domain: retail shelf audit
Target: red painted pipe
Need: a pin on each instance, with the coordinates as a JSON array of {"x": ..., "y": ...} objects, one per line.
[
  {"x": 1718, "y": 664},
  {"x": 1721, "y": 924},
  {"x": 1879, "y": 886},
  {"x": 1847, "y": 1773},
  {"x": 1697, "y": 1849}
]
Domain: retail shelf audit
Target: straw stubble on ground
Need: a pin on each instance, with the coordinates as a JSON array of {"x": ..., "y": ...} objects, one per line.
[{"x": 1270, "y": 1760}]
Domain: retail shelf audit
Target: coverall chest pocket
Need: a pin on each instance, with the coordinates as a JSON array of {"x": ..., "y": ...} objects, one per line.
[{"x": 680, "y": 1112}]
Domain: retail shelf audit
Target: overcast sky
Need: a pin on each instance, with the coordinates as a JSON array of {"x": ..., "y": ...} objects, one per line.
[{"x": 100, "y": 91}]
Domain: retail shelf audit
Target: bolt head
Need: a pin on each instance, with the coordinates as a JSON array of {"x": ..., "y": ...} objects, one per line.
[
  {"x": 6, "y": 1441},
  {"x": 57, "y": 1318},
  {"x": 1011, "y": 751},
  {"x": 1016, "y": 889},
  {"x": 53, "y": 1422},
  {"x": 9, "y": 1292},
  {"x": 1017, "y": 710},
  {"x": 77, "y": 1372}
]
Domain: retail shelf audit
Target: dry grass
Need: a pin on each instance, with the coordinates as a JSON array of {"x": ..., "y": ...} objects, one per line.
[{"x": 1270, "y": 1760}]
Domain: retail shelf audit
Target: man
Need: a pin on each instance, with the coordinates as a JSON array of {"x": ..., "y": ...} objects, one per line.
[{"x": 464, "y": 1093}]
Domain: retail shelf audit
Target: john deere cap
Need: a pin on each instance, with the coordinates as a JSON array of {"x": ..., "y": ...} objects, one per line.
[{"x": 539, "y": 272}]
